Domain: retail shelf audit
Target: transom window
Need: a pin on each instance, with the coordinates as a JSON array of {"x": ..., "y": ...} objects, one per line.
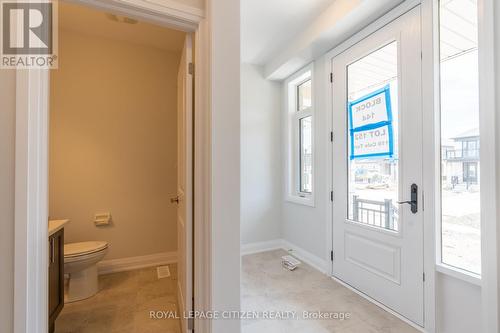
[{"x": 304, "y": 100}]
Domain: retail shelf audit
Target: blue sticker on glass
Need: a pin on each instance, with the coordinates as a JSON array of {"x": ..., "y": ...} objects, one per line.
[{"x": 370, "y": 119}]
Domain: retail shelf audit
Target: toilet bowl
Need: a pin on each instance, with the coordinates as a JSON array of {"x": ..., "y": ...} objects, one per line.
[{"x": 80, "y": 263}]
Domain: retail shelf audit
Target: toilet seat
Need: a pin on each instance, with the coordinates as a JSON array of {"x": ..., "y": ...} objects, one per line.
[
  {"x": 72, "y": 250},
  {"x": 80, "y": 263}
]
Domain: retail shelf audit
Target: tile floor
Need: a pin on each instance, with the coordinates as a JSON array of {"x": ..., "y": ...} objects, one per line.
[
  {"x": 266, "y": 286},
  {"x": 123, "y": 305},
  {"x": 125, "y": 299}
]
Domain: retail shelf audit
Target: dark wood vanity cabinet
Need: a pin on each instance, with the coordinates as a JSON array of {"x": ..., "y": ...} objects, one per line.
[{"x": 56, "y": 276}]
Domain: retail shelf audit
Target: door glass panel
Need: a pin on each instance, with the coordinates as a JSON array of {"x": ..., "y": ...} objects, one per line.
[{"x": 373, "y": 164}]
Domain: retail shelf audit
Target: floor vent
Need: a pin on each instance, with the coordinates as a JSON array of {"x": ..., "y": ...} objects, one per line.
[
  {"x": 163, "y": 272},
  {"x": 289, "y": 262}
]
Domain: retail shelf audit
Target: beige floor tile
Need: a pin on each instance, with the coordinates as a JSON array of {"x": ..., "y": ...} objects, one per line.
[
  {"x": 123, "y": 305},
  {"x": 126, "y": 299},
  {"x": 267, "y": 286},
  {"x": 144, "y": 324}
]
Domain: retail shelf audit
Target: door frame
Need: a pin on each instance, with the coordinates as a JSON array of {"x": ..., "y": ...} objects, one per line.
[
  {"x": 429, "y": 52},
  {"x": 185, "y": 116},
  {"x": 31, "y": 165},
  {"x": 490, "y": 236},
  {"x": 407, "y": 241}
]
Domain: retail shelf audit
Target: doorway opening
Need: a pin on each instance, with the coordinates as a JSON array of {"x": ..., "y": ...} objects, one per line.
[
  {"x": 376, "y": 72},
  {"x": 120, "y": 174}
]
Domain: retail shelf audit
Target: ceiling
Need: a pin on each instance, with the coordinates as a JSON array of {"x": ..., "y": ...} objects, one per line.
[
  {"x": 95, "y": 22},
  {"x": 458, "y": 27},
  {"x": 372, "y": 71},
  {"x": 268, "y": 25},
  {"x": 458, "y": 36}
]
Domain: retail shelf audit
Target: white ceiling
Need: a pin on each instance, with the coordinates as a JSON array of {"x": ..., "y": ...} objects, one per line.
[
  {"x": 372, "y": 71},
  {"x": 268, "y": 25},
  {"x": 95, "y": 22},
  {"x": 458, "y": 36},
  {"x": 458, "y": 27}
]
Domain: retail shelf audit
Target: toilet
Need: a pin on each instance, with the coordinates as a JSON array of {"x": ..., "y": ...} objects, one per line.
[{"x": 80, "y": 263}]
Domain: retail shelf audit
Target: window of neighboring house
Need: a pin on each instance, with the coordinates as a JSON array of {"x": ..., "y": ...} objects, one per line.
[
  {"x": 470, "y": 173},
  {"x": 300, "y": 145},
  {"x": 460, "y": 164}
]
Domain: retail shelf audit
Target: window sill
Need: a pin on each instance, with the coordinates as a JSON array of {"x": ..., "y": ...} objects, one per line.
[
  {"x": 306, "y": 201},
  {"x": 459, "y": 274}
]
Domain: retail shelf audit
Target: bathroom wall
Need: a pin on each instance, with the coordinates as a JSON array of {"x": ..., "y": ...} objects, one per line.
[{"x": 113, "y": 143}]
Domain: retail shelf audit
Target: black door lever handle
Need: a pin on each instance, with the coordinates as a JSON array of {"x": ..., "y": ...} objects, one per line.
[{"x": 414, "y": 199}]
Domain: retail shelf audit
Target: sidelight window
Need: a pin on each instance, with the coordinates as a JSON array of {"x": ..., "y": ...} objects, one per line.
[{"x": 460, "y": 137}]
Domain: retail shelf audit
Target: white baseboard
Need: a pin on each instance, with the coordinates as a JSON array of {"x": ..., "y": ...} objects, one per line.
[
  {"x": 131, "y": 263},
  {"x": 258, "y": 247},
  {"x": 307, "y": 257}
]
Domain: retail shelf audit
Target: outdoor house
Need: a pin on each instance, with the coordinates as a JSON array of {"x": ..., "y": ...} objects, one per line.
[{"x": 461, "y": 161}]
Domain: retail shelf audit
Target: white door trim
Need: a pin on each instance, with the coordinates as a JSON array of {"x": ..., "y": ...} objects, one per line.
[
  {"x": 31, "y": 163},
  {"x": 430, "y": 93},
  {"x": 430, "y": 105},
  {"x": 489, "y": 155},
  {"x": 169, "y": 13},
  {"x": 31, "y": 202}
]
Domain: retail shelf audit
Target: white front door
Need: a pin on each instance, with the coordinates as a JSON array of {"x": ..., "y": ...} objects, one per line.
[
  {"x": 377, "y": 162},
  {"x": 185, "y": 184}
]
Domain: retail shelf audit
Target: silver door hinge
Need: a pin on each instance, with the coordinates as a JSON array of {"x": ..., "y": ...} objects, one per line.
[
  {"x": 331, "y": 77},
  {"x": 190, "y": 324},
  {"x": 331, "y": 196},
  {"x": 423, "y": 277},
  {"x": 191, "y": 68},
  {"x": 331, "y": 136},
  {"x": 332, "y": 255}
]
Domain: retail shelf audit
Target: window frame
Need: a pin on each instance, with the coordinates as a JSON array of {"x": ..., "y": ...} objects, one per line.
[
  {"x": 299, "y": 115},
  {"x": 441, "y": 266},
  {"x": 293, "y": 137}
]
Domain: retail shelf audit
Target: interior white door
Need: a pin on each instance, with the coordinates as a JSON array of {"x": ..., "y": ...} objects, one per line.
[
  {"x": 185, "y": 183},
  {"x": 377, "y": 162}
]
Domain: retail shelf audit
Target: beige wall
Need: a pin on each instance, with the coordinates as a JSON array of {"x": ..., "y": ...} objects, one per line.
[
  {"x": 7, "y": 156},
  {"x": 113, "y": 143}
]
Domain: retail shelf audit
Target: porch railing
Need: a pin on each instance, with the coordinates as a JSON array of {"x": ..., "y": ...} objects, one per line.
[
  {"x": 381, "y": 214},
  {"x": 462, "y": 154}
]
